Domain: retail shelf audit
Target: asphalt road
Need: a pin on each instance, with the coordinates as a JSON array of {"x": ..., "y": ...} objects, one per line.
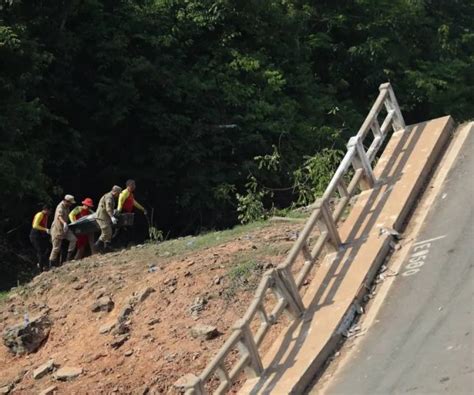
[{"x": 422, "y": 340}]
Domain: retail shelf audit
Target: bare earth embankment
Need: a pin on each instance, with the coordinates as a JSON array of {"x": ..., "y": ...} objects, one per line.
[{"x": 123, "y": 321}]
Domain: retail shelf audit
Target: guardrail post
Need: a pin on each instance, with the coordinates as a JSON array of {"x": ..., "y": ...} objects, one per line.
[
  {"x": 391, "y": 103},
  {"x": 342, "y": 188},
  {"x": 376, "y": 128},
  {"x": 284, "y": 275},
  {"x": 248, "y": 343},
  {"x": 361, "y": 160},
  {"x": 194, "y": 386},
  {"x": 330, "y": 224}
]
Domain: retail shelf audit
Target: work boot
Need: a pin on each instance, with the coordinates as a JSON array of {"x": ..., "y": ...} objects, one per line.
[
  {"x": 69, "y": 256},
  {"x": 99, "y": 246},
  {"x": 107, "y": 247},
  {"x": 79, "y": 254}
]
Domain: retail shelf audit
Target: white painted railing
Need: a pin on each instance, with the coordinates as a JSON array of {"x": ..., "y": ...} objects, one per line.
[{"x": 280, "y": 281}]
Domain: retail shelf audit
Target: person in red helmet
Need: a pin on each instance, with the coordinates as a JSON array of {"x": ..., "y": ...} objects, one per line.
[{"x": 87, "y": 239}]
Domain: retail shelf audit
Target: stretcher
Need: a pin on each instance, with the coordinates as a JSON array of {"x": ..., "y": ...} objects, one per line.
[{"x": 88, "y": 224}]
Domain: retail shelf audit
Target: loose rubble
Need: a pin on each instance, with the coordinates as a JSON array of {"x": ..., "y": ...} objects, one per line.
[
  {"x": 206, "y": 332},
  {"x": 67, "y": 373},
  {"x": 103, "y": 304},
  {"x": 49, "y": 391},
  {"x": 28, "y": 336},
  {"x": 43, "y": 370}
]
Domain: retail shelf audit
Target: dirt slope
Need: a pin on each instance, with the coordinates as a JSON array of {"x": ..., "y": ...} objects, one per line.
[{"x": 202, "y": 280}]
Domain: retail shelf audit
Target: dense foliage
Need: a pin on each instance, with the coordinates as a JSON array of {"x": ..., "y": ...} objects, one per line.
[{"x": 183, "y": 94}]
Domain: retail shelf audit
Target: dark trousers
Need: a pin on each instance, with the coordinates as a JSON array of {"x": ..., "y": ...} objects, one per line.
[
  {"x": 40, "y": 242},
  {"x": 125, "y": 237}
]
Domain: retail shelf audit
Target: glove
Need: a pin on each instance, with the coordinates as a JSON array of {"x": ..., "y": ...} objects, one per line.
[
  {"x": 65, "y": 228},
  {"x": 48, "y": 231},
  {"x": 114, "y": 220},
  {"x": 145, "y": 212},
  {"x": 117, "y": 211}
]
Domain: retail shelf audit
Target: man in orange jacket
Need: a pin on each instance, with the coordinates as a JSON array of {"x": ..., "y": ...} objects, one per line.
[
  {"x": 39, "y": 236},
  {"x": 85, "y": 239},
  {"x": 126, "y": 204}
]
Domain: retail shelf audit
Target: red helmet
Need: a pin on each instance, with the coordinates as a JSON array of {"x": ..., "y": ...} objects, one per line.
[{"x": 88, "y": 202}]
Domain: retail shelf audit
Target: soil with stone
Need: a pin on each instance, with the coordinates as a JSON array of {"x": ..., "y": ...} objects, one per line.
[{"x": 136, "y": 321}]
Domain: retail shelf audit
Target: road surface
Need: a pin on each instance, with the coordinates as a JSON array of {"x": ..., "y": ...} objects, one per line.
[{"x": 422, "y": 339}]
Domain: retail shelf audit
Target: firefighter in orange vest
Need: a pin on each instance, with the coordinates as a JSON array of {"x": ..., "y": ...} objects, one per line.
[
  {"x": 87, "y": 239},
  {"x": 39, "y": 236},
  {"x": 126, "y": 204}
]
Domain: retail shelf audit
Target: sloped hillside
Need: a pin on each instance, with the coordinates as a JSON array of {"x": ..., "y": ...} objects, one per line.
[{"x": 135, "y": 321}]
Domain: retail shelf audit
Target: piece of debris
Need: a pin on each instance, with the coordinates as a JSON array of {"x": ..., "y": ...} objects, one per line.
[
  {"x": 198, "y": 305},
  {"x": 154, "y": 321},
  {"x": 206, "y": 332},
  {"x": 354, "y": 331},
  {"x": 379, "y": 278},
  {"x": 217, "y": 280},
  {"x": 170, "y": 281},
  {"x": 6, "y": 389},
  {"x": 43, "y": 369},
  {"x": 170, "y": 357},
  {"x": 143, "y": 294},
  {"x": 28, "y": 336},
  {"x": 125, "y": 313},
  {"x": 106, "y": 328},
  {"x": 122, "y": 328},
  {"x": 292, "y": 236},
  {"x": 359, "y": 309},
  {"x": 395, "y": 246},
  {"x": 128, "y": 353},
  {"x": 181, "y": 384},
  {"x": 100, "y": 292},
  {"x": 49, "y": 391},
  {"x": 19, "y": 376},
  {"x": 391, "y": 232},
  {"x": 103, "y": 304},
  {"x": 119, "y": 341},
  {"x": 67, "y": 373}
]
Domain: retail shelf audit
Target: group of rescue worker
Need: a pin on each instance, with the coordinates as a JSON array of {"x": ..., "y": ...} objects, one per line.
[{"x": 58, "y": 235}]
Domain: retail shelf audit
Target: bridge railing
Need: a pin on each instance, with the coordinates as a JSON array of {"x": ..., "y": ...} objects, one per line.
[{"x": 320, "y": 231}]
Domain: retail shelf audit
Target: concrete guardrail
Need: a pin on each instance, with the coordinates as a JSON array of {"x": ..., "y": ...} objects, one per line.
[{"x": 356, "y": 164}]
